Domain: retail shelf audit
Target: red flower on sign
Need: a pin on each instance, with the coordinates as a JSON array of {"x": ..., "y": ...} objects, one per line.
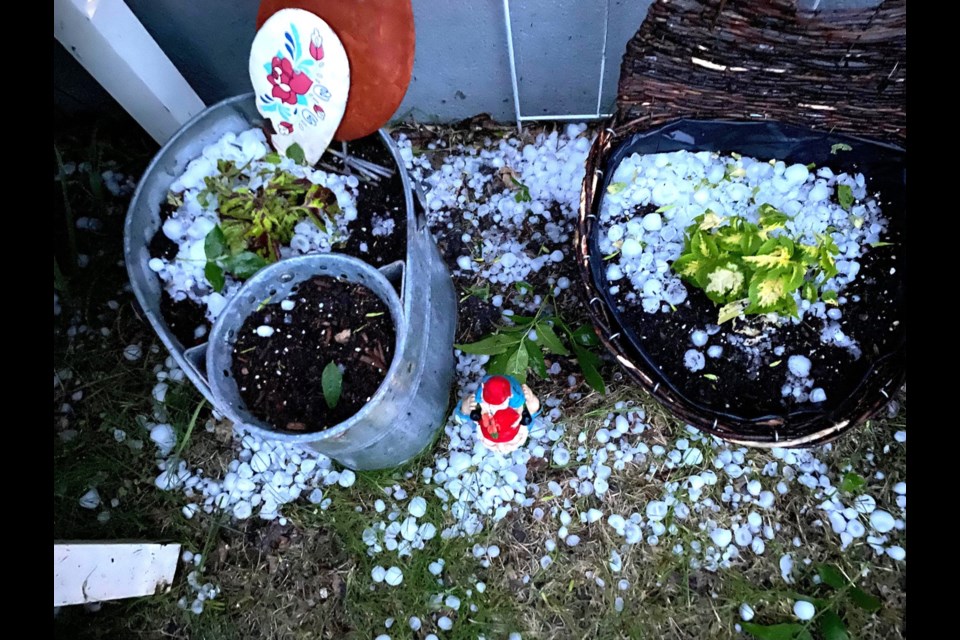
[
  {"x": 287, "y": 83},
  {"x": 316, "y": 45}
]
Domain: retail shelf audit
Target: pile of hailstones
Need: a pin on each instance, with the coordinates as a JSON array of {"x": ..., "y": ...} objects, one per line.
[
  {"x": 183, "y": 275},
  {"x": 683, "y": 185},
  {"x": 550, "y": 170},
  {"x": 476, "y": 487}
]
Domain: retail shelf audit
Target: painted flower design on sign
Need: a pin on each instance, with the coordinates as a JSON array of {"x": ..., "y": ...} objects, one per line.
[
  {"x": 302, "y": 83},
  {"x": 287, "y": 83},
  {"x": 316, "y": 45}
]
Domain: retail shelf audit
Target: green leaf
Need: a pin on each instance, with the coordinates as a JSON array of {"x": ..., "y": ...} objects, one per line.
[
  {"x": 549, "y": 339},
  {"x": 831, "y": 576},
  {"x": 588, "y": 365},
  {"x": 881, "y": 244},
  {"x": 616, "y": 187},
  {"x": 523, "y": 287},
  {"x": 214, "y": 275},
  {"x": 295, "y": 153},
  {"x": 243, "y": 265},
  {"x": 830, "y": 297},
  {"x": 771, "y": 217},
  {"x": 215, "y": 244},
  {"x": 586, "y": 336},
  {"x": 851, "y": 482},
  {"x": 704, "y": 244},
  {"x": 498, "y": 364},
  {"x": 768, "y": 293},
  {"x": 785, "y": 631},
  {"x": 489, "y": 346},
  {"x": 523, "y": 193},
  {"x": 845, "y": 196},
  {"x": 864, "y": 600},
  {"x": 832, "y": 627},
  {"x": 273, "y": 157},
  {"x": 479, "y": 292},
  {"x": 725, "y": 282},
  {"x": 731, "y": 310},
  {"x": 710, "y": 376},
  {"x": 332, "y": 383},
  {"x": 535, "y": 356},
  {"x": 689, "y": 265},
  {"x": 840, "y": 146},
  {"x": 517, "y": 364}
]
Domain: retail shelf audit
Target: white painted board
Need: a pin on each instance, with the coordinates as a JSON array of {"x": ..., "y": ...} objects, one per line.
[
  {"x": 111, "y": 43},
  {"x": 98, "y": 571}
]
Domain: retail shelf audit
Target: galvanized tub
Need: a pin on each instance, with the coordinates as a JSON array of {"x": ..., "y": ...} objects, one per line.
[{"x": 426, "y": 292}]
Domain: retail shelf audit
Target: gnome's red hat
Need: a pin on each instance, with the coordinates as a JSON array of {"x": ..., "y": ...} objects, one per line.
[{"x": 496, "y": 390}]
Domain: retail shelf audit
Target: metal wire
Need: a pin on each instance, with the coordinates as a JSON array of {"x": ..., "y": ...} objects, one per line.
[{"x": 516, "y": 88}]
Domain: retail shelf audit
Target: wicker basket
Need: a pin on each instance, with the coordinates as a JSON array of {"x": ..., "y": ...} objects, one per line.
[{"x": 744, "y": 60}]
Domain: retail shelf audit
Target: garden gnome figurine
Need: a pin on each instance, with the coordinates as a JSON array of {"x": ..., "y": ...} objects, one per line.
[{"x": 501, "y": 408}]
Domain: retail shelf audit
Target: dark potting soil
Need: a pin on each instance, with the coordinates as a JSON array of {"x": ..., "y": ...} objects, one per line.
[
  {"x": 748, "y": 385},
  {"x": 280, "y": 376},
  {"x": 183, "y": 316},
  {"x": 384, "y": 199}
]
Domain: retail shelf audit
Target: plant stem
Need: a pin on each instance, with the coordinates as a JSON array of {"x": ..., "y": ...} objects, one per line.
[
  {"x": 190, "y": 426},
  {"x": 67, "y": 210}
]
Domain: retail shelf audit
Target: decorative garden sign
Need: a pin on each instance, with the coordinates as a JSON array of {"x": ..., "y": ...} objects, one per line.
[{"x": 301, "y": 77}]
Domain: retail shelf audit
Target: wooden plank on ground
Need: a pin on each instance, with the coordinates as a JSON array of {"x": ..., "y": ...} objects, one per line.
[{"x": 97, "y": 571}]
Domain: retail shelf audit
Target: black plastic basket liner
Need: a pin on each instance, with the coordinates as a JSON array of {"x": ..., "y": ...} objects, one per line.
[{"x": 884, "y": 167}]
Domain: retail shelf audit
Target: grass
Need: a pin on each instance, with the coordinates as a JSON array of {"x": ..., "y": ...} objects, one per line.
[{"x": 311, "y": 577}]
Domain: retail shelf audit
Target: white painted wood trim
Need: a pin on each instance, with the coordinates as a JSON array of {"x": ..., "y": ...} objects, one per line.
[{"x": 111, "y": 43}]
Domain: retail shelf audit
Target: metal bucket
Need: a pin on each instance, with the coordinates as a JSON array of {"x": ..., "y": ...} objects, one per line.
[
  {"x": 427, "y": 294},
  {"x": 389, "y": 427}
]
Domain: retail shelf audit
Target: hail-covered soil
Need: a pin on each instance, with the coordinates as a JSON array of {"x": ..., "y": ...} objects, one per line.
[
  {"x": 612, "y": 521},
  {"x": 755, "y": 365}
]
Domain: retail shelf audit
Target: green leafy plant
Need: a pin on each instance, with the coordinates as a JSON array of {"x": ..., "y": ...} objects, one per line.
[
  {"x": 838, "y": 593},
  {"x": 523, "y": 191},
  {"x": 852, "y": 482},
  {"x": 331, "y": 380},
  {"x": 220, "y": 260},
  {"x": 521, "y": 346},
  {"x": 255, "y": 223},
  {"x": 755, "y": 268},
  {"x": 483, "y": 293}
]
